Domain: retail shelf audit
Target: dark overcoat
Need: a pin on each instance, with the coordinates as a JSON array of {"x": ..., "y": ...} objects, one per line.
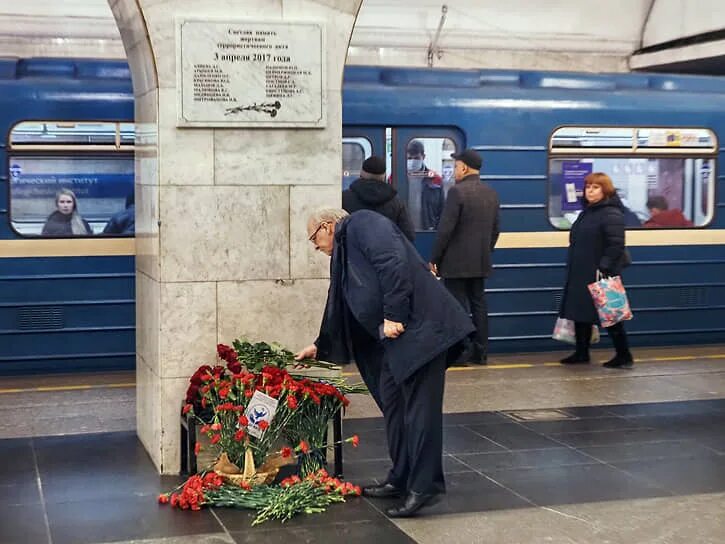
[
  {"x": 378, "y": 196},
  {"x": 468, "y": 230},
  {"x": 59, "y": 224},
  {"x": 596, "y": 242},
  {"x": 377, "y": 274}
]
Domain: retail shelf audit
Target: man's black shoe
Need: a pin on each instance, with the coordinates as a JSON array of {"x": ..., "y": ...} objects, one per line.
[
  {"x": 413, "y": 502},
  {"x": 382, "y": 491}
]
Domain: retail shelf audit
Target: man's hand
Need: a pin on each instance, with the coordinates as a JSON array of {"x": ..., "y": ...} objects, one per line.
[
  {"x": 310, "y": 352},
  {"x": 433, "y": 269},
  {"x": 392, "y": 329}
]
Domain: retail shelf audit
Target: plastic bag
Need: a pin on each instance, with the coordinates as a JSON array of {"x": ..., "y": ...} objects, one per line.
[{"x": 564, "y": 332}]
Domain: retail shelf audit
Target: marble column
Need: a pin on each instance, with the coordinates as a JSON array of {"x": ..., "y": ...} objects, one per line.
[{"x": 221, "y": 246}]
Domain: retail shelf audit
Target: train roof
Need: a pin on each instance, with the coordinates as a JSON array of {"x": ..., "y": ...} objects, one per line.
[
  {"x": 85, "y": 69},
  {"x": 573, "y": 81}
]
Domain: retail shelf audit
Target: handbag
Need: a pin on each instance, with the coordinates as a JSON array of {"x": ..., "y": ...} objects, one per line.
[
  {"x": 610, "y": 300},
  {"x": 564, "y": 331}
]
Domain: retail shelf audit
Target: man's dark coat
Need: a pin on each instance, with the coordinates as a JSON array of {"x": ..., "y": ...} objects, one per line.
[
  {"x": 378, "y": 196},
  {"x": 376, "y": 274},
  {"x": 468, "y": 230}
]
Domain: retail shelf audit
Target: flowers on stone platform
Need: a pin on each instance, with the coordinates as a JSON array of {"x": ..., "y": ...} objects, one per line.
[{"x": 258, "y": 414}]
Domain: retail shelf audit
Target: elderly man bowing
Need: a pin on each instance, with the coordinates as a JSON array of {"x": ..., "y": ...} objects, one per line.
[{"x": 388, "y": 313}]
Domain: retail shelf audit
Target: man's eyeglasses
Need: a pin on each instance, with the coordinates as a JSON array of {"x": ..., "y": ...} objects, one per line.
[{"x": 314, "y": 234}]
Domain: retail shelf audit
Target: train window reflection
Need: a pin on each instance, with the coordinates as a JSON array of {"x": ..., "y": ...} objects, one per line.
[
  {"x": 57, "y": 195},
  {"x": 655, "y": 192},
  {"x": 354, "y": 152},
  {"x": 429, "y": 169}
]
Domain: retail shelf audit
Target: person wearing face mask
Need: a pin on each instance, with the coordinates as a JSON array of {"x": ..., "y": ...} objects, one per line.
[
  {"x": 596, "y": 243},
  {"x": 65, "y": 220},
  {"x": 431, "y": 186},
  {"x": 467, "y": 234}
]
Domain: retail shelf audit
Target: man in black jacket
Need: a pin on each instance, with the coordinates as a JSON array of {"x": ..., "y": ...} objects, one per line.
[
  {"x": 467, "y": 234},
  {"x": 388, "y": 313},
  {"x": 371, "y": 192}
]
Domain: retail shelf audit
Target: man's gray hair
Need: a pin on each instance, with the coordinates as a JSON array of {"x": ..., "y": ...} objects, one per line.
[{"x": 324, "y": 215}]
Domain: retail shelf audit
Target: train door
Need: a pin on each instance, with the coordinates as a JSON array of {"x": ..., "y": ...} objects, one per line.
[
  {"x": 359, "y": 143},
  {"x": 422, "y": 170}
]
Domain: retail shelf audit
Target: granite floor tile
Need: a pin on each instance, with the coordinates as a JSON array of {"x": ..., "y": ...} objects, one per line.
[
  {"x": 461, "y": 439},
  {"x": 674, "y": 449},
  {"x": 360, "y": 532},
  {"x": 582, "y": 425},
  {"x": 681, "y": 476},
  {"x": 23, "y": 524},
  {"x": 513, "y": 437},
  {"x": 19, "y": 494},
  {"x": 552, "y": 457},
  {"x": 575, "y": 484},
  {"x": 629, "y": 436},
  {"x": 111, "y": 520}
]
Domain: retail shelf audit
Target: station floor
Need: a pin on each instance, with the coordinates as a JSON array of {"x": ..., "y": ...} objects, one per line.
[{"x": 534, "y": 453}]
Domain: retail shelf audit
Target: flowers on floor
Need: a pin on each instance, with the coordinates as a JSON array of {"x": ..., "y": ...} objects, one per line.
[{"x": 260, "y": 417}]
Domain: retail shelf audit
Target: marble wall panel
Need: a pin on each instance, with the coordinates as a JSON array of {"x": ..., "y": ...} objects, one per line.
[
  {"x": 186, "y": 155},
  {"x": 143, "y": 67},
  {"x": 224, "y": 233},
  {"x": 188, "y": 327},
  {"x": 147, "y": 230},
  {"x": 129, "y": 21},
  {"x": 160, "y": 20},
  {"x": 286, "y": 312},
  {"x": 148, "y": 319},
  {"x": 172, "y": 392},
  {"x": 275, "y": 157},
  {"x": 148, "y": 410},
  {"x": 305, "y": 261}
]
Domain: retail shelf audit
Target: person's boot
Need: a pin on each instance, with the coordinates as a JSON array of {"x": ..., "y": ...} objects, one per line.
[
  {"x": 583, "y": 332},
  {"x": 623, "y": 357}
]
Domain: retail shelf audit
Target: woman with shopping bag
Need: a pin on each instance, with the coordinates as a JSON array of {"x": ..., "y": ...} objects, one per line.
[{"x": 596, "y": 246}]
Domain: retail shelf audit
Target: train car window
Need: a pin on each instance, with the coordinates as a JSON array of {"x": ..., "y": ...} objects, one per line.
[
  {"x": 665, "y": 178},
  {"x": 430, "y": 174},
  {"x": 72, "y": 179},
  {"x": 354, "y": 152}
]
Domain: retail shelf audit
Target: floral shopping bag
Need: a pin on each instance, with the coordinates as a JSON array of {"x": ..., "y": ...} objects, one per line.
[
  {"x": 564, "y": 331},
  {"x": 610, "y": 300}
]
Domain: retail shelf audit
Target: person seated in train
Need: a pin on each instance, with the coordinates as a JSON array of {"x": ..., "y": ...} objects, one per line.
[
  {"x": 124, "y": 221},
  {"x": 661, "y": 216},
  {"x": 431, "y": 194},
  {"x": 66, "y": 219},
  {"x": 371, "y": 192}
]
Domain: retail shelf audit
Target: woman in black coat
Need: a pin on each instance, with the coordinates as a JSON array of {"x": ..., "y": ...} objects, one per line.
[{"x": 596, "y": 243}]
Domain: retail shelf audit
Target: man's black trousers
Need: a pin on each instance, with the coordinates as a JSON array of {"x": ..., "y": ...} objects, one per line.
[
  {"x": 470, "y": 293},
  {"x": 413, "y": 412}
]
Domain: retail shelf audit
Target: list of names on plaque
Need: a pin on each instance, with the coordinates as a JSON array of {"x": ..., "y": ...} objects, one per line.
[{"x": 250, "y": 73}]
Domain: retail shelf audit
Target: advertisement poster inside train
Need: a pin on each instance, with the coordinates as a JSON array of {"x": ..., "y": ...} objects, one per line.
[{"x": 572, "y": 178}]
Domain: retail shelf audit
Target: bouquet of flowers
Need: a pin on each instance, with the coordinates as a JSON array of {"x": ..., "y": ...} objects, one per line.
[{"x": 259, "y": 417}]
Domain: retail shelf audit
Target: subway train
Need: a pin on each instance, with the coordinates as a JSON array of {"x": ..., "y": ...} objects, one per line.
[{"x": 67, "y": 301}]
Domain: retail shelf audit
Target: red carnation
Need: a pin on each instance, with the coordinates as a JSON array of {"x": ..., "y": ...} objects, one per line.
[
  {"x": 355, "y": 441},
  {"x": 292, "y": 402},
  {"x": 304, "y": 447},
  {"x": 216, "y": 438},
  {"x": 263, "y": 425},
  {"x": 243, "y": 421},
  {"x": 286, "y": 452},
  {"x": 205, "y": 429},
  {"x": 163, "y": 498},
  {"x": 216, "y": 427},
  {"x": 197, "y": 448},
  {"x": 239, "y": 435},
  {"x": 187, "y": 409}
]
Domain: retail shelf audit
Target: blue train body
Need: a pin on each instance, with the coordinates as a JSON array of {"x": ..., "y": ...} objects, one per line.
[{"x": 72, "y": 313}]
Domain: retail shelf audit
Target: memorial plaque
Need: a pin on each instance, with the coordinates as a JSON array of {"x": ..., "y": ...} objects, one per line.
[{"x": 242, "y": 73}]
